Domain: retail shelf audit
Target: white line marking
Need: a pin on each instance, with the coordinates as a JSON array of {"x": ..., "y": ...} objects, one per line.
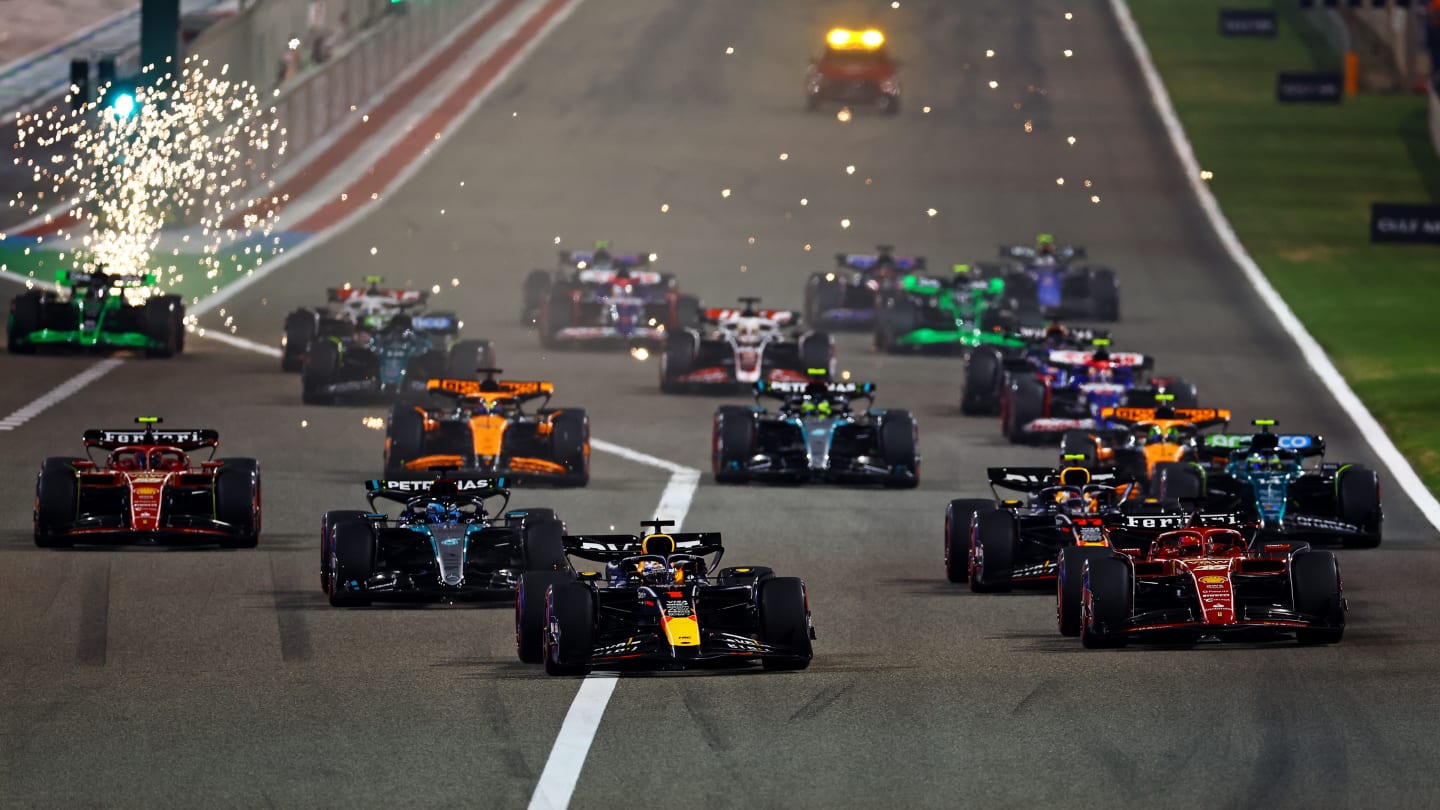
[
  {"x": 572, "y": 745},
  {"x": 59, "y": 394},
  {"x": 1315, "y": 356},
  {"x": 238, "y": 342}
]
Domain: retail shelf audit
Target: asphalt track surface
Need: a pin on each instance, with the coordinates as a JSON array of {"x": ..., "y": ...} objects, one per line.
[{"x": 151, "y": 678}]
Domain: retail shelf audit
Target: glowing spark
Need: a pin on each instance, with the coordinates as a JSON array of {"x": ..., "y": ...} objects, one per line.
[
  {"x": 640, "y": 353},
  {"x": 994, "y": 84},
  {"x": 989, "y": 53},
  {"x": 1059, "y": 181},
  {"x": 1206, "y": 174},
  {"x": 728, "y": 52},
  {"x": 804, "y": 200},
  {"x": 1069, "y": 53},
  {"x": 1029, "y": 126},
  {"x": 1094, "y": 198},
  {"x": 850, "y": 169},
  {"x": 725, "y": 192},
  {"x": 373, "y": 422},
  {"x": 784, "y": 155},
  {"x": 931, "y": 211},
  {"x": 925, "y": 109},
  {"x": 1069, "y": 16},
  {"x": 1070, "y": 140},
  {"x": 374, "y": 250},
  {"x": 664, "y": 209},
  {"x": 843, "y": 116},
  {"x": 844, "y": 223}
]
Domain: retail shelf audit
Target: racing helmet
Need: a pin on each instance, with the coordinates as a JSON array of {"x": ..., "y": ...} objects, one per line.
[
  {"x": 1225, "y": 543},
  {"x": 748, "y": 332},
  {"x": 1044, "y": 245},
  {"x": 1178, "y": 546},
  {"x": 400, "y": 323}
]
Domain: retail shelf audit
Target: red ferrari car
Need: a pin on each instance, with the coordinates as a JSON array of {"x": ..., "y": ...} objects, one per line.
[
  {"x": 854, "y": 69},
  {"x": 147, "y": 490}
]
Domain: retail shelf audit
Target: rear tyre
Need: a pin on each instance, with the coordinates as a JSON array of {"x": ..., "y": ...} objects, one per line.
[
  {"x": 679, "y": 360},
  {"x": 822, "y": 296},
  {"x": 1185, "y": 393},
  {"x": 300, "y": 333},
  {"x": 894, "y": 320},
  {"x": 164, "y": 319},
  {"x": 1024, "y": 403},
  {"x": 1359, "y": 495},
  {"x": 570, "y": 610},
  {"x": 1177, "y": 480},
  {"x": 404, "y": 438},
  {"x": 542, "y": 547},
  {"x": 734, "y": 443},
  {"x": 533, "y": 297},
  {"x": 467, "y": 357},
  {"x": 237, "y": 501},
  {"x": 981, "y": 386},
  {"x": 1070, "y": 587},
  {"x": 328, "y": 523},
  {"x": 898, "y": 438},
  {"x": 530, "y": 603},
  {"x": 354, "y": 562},
  {"x": 25, "y": 317},
  {"x": 322, "y": 369},
  {"x": 56, "y": 504},
  {"x": 785, "y": 622},
  {"x": 1077, "y": 442},
  {"x": 960, "y": 516},
  {"x": 992, "y": 551},
  {"x": 570, "y": 442},
  {"x": 554, "y": 315},
  {"x": 1315, "y": 577},
  {"x": 817, "y": 350},
  {"x": 1106, "y": 593},
  {"x": 687, "y": 314}
]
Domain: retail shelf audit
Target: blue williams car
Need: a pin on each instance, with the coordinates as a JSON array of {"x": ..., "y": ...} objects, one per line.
[
  {"x": 443, "y": 545},
  {"x": 816, "y": 435}
]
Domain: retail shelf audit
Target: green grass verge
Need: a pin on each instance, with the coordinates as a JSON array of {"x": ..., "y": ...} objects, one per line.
[
  {"x": 1296, "y": 182},
  {"x": 194, "y": 280}
]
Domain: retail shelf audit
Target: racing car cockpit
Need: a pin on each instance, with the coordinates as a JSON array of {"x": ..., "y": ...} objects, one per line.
[
  {"x": 657, "y": 564},
  {"x": 442, "y": 510},
  {"x": 1192, "y": 544},
  {"x": 152, "y": 459}
]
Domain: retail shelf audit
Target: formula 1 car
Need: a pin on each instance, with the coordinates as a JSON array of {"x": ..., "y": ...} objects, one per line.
[
  {"x": 1049, "y": 281},
  {"x": 481, "y": 427},
  {"x": 1072, "y": 389},
  {"x": 98, "y": 310},
  {"x": 1145, "y": 437},
  {"x": 926, "y": 314},
  {"x": 816, "y": 436},
  {"x": 997, "y": 544},
  {"x": 444, "y": 544},
  {"x": 1019, "y": 350},
  {"x": 147, "y": 490},
  {"x": 403, "y": 356},
  {"x": 606, "y": 299},
  {"x": 847, "y": 297},
  {"x": 855, "y": 68},
  {"x": 1263, "y": 478},
  {"x": 660, "y": 604},
  {"x": 1207, "y": 583},
  {"x": 745, "y": 346}
]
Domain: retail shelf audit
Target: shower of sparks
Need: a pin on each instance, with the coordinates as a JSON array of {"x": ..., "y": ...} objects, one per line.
[{"x": 194, "y": 152}]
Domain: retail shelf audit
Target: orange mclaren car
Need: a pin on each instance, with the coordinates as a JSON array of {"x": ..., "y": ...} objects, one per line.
[
  {"x": 482, "y": 426},
  {"x": 1146, "y": 437}
]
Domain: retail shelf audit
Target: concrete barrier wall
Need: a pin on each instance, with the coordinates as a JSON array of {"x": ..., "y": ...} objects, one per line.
[{"x": 256, "y": 41}]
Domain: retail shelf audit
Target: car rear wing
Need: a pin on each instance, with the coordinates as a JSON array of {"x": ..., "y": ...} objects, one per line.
[
  {"x": 575, "y": 257},
  {"x": 1076, "y": 335},
  {"x": 1075, "y": 357},
  {"x": 607, "y": 548},
  {"x": 1034, "y": 479},
  {"x": 784, "y": 390},
  {"x": 1199, "y": 417},
  {"x": 402, "y": 490},
  {"x": 401, "y": 297},
  {"x": 1027, "y": 252},
  {"x": 179, "y": 438},
  {"x": 490, "y": 388},
  {"x": 1171, "y": 521},
  {"x": 781, "y": 317},
  {"x": 76, "y": 278},
  {"x": 1305, "y": 445},
  {"x": 866, "y": 261}
]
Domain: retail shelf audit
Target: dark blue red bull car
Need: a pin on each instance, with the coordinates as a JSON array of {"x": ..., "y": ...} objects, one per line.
[{"x": 847, "y": 297}]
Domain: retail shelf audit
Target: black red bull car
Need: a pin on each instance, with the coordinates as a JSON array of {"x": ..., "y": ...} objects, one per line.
[
  {"x": 660, "y": 602},
  {"x": 147, "y": 489},
  {"x": 1204, "y": 583},
  {"x": 741, "y": 347}
]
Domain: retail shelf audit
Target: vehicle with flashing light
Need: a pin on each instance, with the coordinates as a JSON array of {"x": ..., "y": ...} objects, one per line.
[
  {"x": 1282, "y": 482},
  {"x": 1054, "y": 281},
  {"x": 661, "y": 602},
  {"x": 817, "y": 434},
  {"x": 443, "y": 544},
  {"x": 1204, "y": 583},
  {"x": 98, "y": 310},
  {"x": 1072, "y": 389},
  {"x": 148, "y": 490},
  {"x": 1143, "y": 437},
  {"x": 599, "y": 298},
  {"x": 484, "y": 427},
  {"x": 855, "y": 68},
  {"x": 741, "y": 346},
  {"x": 847, "y": 297}
]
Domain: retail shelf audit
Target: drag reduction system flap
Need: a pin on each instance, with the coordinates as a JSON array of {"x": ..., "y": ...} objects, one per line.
[
  {"x": 605, "y": 548},
  {"x": 1034, "y": 479},
  {"x": 1301, "y": 444},
  {"x": 147, "y": 433}
]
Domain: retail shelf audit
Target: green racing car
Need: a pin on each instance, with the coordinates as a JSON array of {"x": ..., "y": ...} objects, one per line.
[
  {"x": 98, "y": 310},
  {"x": 938, "y": 315}
]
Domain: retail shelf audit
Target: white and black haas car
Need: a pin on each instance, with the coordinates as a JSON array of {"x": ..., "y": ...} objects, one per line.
[
  {"x": 443, "y": 545},
  {"x": 816, "y": 435},
  {"x": 742, "y": 347},
  {"x": 661, "y": 603}
]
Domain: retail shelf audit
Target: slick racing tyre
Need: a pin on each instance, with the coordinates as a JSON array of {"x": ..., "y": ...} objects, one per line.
[
  {"x": 404, "y": 438},
  {"x": 678, "y": 360},
  {"x": 992, "y": 551},
  {"x": 895, "y": 319},
  {"x": 1105, "y": 597},
  {"x": 734, "y": 443},
  {"x": 1077, "y": 442},
  {"x": 354, "y": 562},
  {"x": 1024, "y": 403},
  {"x": 817, "y": 350},
  {"x": 555, "y": 315},
  {"x": 533, "y": 297},
  {"x": 687, "y": 314},
  {"x": 1315, "y": 578},
  {"x": 300, "y": 333},
  {"x": 328, "y": 523},
  {"x": 530, "y": 603},
  {"x": 25, "y": 317},
  {"x": 570, "y": 444},
  {"x": 322, "y": 368},
  {"x": 541, "y": 545},
  {"x": 960, "y": 518},
  {"x": 54, "y": 501},
  {"x": 980, "y": 388},
  {"x": 237, "y": 501},
  {"x": 822, "y": 296},
  {"x": 898, "y": 437},
  {"x": 1359, "y": 494},
  {"x": 467, "y": 357},
  {"x": 784, "y": 622},
  {"x": 1177, "y": 480},
  {"x": 164, "y": 320},
  {"x": 1070, "y": 586},
  {"x": 570, "y": 610},
  {"x": 1185, "y": 393}
]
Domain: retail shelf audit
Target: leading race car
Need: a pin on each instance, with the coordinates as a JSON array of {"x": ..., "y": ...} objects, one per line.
[
  {"x": 1049, "y": 281},
  {"x": 855, "y": 68},
  {"x": 1208, "y": 584},
  {"x": 445, "y": 544},
  {"x": 600, "y": 298},
  {"x": 816, "y": 435},
  {"x": 1263, "y": 477},
  {"x": 98, "y": 310},
  {"x": 481, "y": 427},
  {"x": 744, "y": 346},
  {"x": 662, "y": 602},
  {"x": 847, "y": 297},
  {"x": 148, "y": 490}
]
